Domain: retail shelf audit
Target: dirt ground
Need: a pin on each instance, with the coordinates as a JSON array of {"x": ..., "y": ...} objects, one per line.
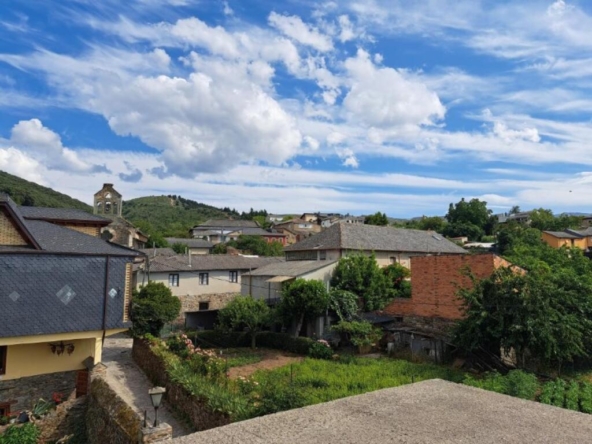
[{"x": 271, "y": 359}]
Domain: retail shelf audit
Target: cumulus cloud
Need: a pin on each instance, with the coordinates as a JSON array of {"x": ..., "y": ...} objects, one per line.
[
  {"x": 508, "y": 135},
  {"x": 16, "y": 162},
  {"x": 384, "y": 97},
  {"x": 348, "y": 157},
  {"x": 40, "y": 143},
  {"x": 293, "y": 27}
]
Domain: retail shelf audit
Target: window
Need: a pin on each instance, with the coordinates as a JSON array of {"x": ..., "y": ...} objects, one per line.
[
  {"x": 301, "y": 255},
  {"x": 233, "y": 276},
  {"x": 204, "y": 306},
  {"x": 204, "y": 279},
  {"x": 173, "y": 280},
  {"x": 323, "y": 255},
  {"x": 3, "y": 353},
  {"x": 393, "y": 260}
]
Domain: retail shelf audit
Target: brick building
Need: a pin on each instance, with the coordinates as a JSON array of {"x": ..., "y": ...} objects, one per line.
[{"x": 435, "y": 281}]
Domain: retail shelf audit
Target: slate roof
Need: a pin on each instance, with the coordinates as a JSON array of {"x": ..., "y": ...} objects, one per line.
[
  {"x": 191, "y": 243},
  {"x": 584, "y": 233},
  {"x": 343, "y": 236},
  {"x": 48, "y": 293},
  {"x": 209, "y": 262},
  {"x": 228, "y": 223},
  {"x": 62, "y": 214},
  {"x": 151, "y": 252},
  {"x": 258, "y": 232},
  {"x": 46, "y": 237},
  {"x": 563, "y": 235},
  {"x": 289, "y": 268}
]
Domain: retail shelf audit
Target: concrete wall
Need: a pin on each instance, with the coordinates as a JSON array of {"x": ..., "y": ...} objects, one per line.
[
  {"x": 259, "y": 288},
  {"x": 219, "y": 282},
  {"x": 434, "y": 284}
]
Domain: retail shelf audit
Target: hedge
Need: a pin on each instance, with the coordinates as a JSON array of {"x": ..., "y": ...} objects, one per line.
[{"x": 268, "y": 339}]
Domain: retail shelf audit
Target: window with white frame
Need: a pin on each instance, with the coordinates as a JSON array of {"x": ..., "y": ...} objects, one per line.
[
  {"x": 204, "y": 279},
  {"x": 173, "y": 280}
]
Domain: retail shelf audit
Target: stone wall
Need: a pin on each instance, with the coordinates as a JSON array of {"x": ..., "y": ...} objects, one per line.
[
  {"x": 23, "y": 393},
  {"x": 192, "y": 408},
  {"x": 109, "y": 419}
]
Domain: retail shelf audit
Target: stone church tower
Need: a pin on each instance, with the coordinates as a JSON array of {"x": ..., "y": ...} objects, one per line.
[{"x": 108, "y": 202}]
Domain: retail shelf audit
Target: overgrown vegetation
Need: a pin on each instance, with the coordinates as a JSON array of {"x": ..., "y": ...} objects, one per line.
[
  {"x": 30, "y": 194},
  {"x": 244, "y": 313},
  {"x": 21, "y": 434},
  {"x": 255, "y": 245},
  {"x": 302, "y": 299}
]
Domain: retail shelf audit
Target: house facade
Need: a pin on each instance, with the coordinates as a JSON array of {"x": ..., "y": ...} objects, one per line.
[
  {"x": 61, "y": 291},
  {"x": 569, "y": 238},
  {"x": 389, "y": 245},
  {"x": 203, "y": 283}
]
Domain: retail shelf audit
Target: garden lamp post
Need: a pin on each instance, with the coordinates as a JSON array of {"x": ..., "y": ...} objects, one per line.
[{"x": 156, "y": 398}]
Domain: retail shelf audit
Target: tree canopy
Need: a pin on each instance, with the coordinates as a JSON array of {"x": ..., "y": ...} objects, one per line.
[
  {"x": 377, "y": 218},
  {"x": 471, "y": 219},
  {"x": 245, "y": 312},
  {"x": 257, "y": 245},
  {"x": 361, "y": 275},
  {"x": 153, "y": 306},
  {"x": 301, "y": 299}
]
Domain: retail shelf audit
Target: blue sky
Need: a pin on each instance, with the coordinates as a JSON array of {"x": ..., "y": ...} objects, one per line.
[{"x": 354, "y": 106}]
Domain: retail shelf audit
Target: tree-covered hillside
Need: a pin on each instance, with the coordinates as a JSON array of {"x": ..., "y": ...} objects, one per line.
[
  {"x": 169, "y": 215},
  {"x": 28, "y": 193}
]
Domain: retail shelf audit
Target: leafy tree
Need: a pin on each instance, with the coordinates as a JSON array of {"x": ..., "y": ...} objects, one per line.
[
  {"x": 153, "y": 306},
  {"x": 361, "y": 275},
  {"x": 302, "y": 299},
  {"x": 377, "y": 218},
  {"x": 434, "y": 223},
  {"x": 344, "y": 303},
  {"x": 543, "y": 219},
  {"x": 220, "y": 249},
  {"x": 245, "y": 312},
  {"x": 542, "y": 313},
  {"x": 262, "y": 221},
  {"x": 471, "y": 219},
  {"x": 515, "y": 209},
  {"x": 179, "y": 248},
  {"x": 396, "y": 275},
  {"x": 257, "y": 245}
]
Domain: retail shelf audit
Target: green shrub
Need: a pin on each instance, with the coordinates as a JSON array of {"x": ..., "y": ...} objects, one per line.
[
  {"x": 283, "y": 341},
  {"x": 547, "y": 393},
  {"x": 25, "y": 434},
  {"x": 219, "y": 339},
  {"x": 277, "y": 394},
  {"x": 320, "y": 350},
  {"x": 586, "y": 397},
  {"x": 494, "y": 382},
  {"x": 360, "y": 333},
  {"x": 558, "y": 398},
  {"x": 521, "y": 384},
  {"x": 572, "y": 396}
]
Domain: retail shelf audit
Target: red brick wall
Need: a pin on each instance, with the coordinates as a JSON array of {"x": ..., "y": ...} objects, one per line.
[{"x": 435, "y": 281}]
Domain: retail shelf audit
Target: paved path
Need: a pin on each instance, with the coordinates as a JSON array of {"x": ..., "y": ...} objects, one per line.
[{"x": 126, "y": 378}]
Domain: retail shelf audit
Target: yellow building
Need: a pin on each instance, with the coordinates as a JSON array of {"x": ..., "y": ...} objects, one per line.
[
  {"x": 567, "y": 238},
  {"x": 61, "y": 292}
]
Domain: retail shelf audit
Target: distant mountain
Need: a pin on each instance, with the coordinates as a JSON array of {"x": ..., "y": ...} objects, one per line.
[
  {"x": 30, "y": 194},
  {"x": 170, "y": 215}
]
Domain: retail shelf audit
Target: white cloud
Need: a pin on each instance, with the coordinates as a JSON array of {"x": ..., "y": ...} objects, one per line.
[
  {"x": 16, "y": 162},
  {"x": 35, "y": 140},
  {"x": 227, "y": 9},
  {"x": 508, "y": 135},
  {"x": 296, "y": 29},
  {"x": 347, "y": 31},
  {"x": 348, "y": 157},
  {"x": 384, "y": 97}
]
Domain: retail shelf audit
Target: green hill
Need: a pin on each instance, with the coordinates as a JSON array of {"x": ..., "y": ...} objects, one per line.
[
  {"x": 30, "y": 194},
  {"x": 169, "y": 215}
]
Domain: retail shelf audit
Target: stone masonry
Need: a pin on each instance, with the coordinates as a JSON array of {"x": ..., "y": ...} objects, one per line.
[{"x": 23, "y": 393}]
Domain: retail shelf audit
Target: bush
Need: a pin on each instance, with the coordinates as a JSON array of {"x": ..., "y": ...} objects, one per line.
[
  {"x": 572, "y": 396},
  {"x": 494, "y": 382},
  {"x": 559, "y": 393},
  {"x": 320, "y": 350},
  {"x": 268, "y": 339},
  {"x": 547, "y": 393},
  {"x": 586, "y": 397},
  {"x": 521, "y": 384},
  {"x": 25, "y": 434},
  {"x": 153, "y": 306},
  {"x": 278, "y": 394},
  {"x": 360, "y": 333}
]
